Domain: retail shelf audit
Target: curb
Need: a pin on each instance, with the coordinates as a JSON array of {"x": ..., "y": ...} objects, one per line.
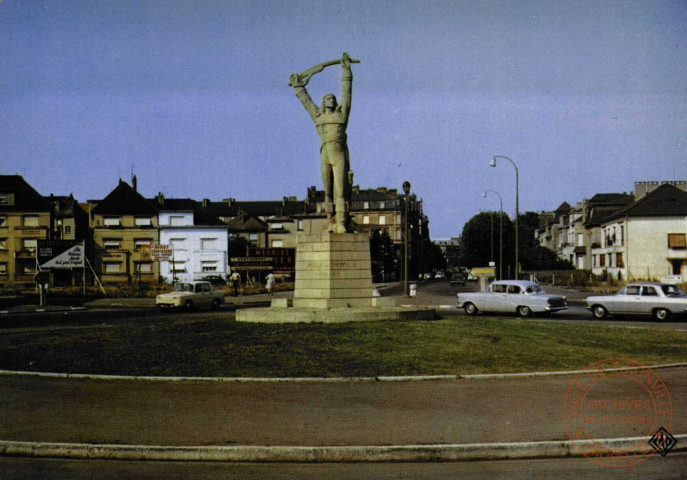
[
  {"x": 412, "y": 378},
  {"x": 333, "y": 454}
]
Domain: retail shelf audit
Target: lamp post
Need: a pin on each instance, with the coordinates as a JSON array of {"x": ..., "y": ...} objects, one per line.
[
  {"x": 517, "y": 209},
  {"x": 500, "y": 231},
  {"x": 406, "y": 191}
]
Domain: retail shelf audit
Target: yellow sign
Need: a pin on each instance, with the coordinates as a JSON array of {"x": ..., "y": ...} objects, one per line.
[{"x": 483, "y": 271}]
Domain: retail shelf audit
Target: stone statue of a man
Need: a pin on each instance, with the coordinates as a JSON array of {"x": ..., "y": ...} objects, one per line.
[{"x": 331, "y": 121}]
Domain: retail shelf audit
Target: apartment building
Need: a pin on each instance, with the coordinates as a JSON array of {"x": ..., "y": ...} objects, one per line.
[
  {"x": 125, "y": 226},
  {"x": 25, "y": 218},
  {"x": 646, "y": 239}
]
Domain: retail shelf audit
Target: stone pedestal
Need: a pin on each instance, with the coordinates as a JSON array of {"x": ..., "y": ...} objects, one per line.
[{"x": 333, "y": 270}]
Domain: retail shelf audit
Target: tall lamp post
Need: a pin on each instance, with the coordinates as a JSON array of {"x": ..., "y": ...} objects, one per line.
[
  {"x": 406, "y": 191},
  {"x": 500, "y": 231},
  {"x": 517, "y": 209}
]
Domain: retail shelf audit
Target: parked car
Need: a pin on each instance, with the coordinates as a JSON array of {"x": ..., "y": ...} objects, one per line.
[
  {"x": 459, "y": 278},
  {"x": 216, "y": 280},
  {"x": 661, "y": 300},
  {"x": 512, "y": 296},
  {"x": 440, "y": 275},
  {"x": 190, "y": 295}
]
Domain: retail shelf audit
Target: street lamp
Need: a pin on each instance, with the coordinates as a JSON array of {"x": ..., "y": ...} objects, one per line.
[
  {"x": 500, "y": 231},
  {"x": 406, "y": 191},
  {"x": 517, "y": 208}
]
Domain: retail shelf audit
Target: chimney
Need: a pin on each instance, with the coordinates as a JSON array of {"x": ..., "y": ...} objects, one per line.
[
  {"x": 206, "y": 202},
  {"x": 160, "y": 199},
  {"x": 134, "y": 183}
]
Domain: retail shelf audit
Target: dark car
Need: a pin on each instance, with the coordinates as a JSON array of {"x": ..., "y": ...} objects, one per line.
[{"x": 215, "y": 280}]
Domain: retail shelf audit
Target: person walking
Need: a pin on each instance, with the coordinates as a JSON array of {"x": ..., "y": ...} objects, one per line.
[
  {"x": 270, "y": 283},
  {"x": 235, "y": 281}
]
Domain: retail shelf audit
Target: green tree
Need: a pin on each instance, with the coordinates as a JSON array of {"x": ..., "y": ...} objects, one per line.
[
  {"x": 476, "y": 241},
  {"x": 382, "y": 256}
]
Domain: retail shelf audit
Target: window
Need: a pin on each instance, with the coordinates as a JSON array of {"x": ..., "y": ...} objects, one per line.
[
  {"x": 112, "y": 221},
  {"x": 29, "y": 244},
  {"x": 382, "y": 219},
  {"x": 31, "y": 221},
  {"x": 208, "y": 266},
  {"x": 3, "y": 221},
  {"x": 202, "y": 287},
  {"x": 677, "y": 241},
  {"x": 277, "y": 243},
  {"x": 67, "y": 229},
  {"x": 619, "y": 260},
  {"x": 253, "y": 237},
  {"x": 177, "y": 244},
  {"x": 144, "y": 267},
  {"x": 3, "y": 200},
  {"x": 382, "y": 205},
  {"x": 3, "y": 269},
  {"x": 632, "y": 290},
  {"x": 300, "y": 225},
  {"x": 498, "y": 288},
  {"x": 208, "y": 243},
  {"x": 649, "y": 292},
  {"x": 176, "y": 220},
  {"x": 142, "y": 221},
  {"x": 366, "y": 219},
  {"x": 178, "y": 267},
  {"x": 112, "y": 243},
  {"x": 366, "y": 205},
  {"x": 580, "y": 239},
  {"x": 513, "y": 289},
  {"x": 602, "y": 260},
  {"x": 142, "y": 242},
  {"x": 112, "y": 267},
  {"x": 622, "y": 235},
  {"x": 26, "y": 268},
  {"x": 3, "y": 244},
  {"x": 277, "y": 226}
]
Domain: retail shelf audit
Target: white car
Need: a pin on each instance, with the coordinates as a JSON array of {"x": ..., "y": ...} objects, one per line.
[
  {"x": 512, "y": 296},
  {"x": 660, "y": 300},
  {"x": 190, "y": 295}
]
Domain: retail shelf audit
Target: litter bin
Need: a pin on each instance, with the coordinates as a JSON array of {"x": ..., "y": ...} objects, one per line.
[{"x": 412, "y": 289}]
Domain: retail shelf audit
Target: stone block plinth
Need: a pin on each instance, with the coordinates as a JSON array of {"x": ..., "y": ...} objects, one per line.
[{"x": 333, "y": 270}]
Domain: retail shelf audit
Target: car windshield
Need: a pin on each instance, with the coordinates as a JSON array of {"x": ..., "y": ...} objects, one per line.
[
  {"x": 672, "y": 291},
  {"x": 183, "y": 287}
]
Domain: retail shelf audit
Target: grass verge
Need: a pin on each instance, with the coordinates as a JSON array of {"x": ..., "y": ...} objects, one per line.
[{"x": 212, "y": 346}]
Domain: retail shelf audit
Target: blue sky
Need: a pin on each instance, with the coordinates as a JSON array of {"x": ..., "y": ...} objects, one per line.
[{"x": 585, "y": 96}]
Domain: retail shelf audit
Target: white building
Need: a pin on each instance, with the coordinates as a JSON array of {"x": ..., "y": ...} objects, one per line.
[
  {"x": 646, "y": 239},
  {"x": 199, "y": 241}
]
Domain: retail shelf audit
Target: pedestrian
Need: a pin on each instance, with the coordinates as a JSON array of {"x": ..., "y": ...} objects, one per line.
[
  {"x": 235, "y": 281},
  {"x": 270, "y": 283}
]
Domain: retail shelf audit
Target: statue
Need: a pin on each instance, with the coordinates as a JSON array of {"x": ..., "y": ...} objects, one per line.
[{"x": 331, "y": 121}]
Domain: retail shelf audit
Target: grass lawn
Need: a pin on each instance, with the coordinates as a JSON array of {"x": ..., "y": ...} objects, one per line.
[{"x": 212, "y": 346}]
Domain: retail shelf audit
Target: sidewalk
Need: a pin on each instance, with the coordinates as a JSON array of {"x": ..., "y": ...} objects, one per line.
[{"x": 364, "y": 417}]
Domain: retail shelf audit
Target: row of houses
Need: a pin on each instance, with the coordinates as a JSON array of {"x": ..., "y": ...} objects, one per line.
[
  {"x": 628, "y": 236},
  {"x": 119, "y": 230}
]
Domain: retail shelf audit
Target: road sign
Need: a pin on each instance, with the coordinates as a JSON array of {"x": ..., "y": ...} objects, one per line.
[
  {"x": 483, "y": 271},
  {"x": 161, "y": 252}
]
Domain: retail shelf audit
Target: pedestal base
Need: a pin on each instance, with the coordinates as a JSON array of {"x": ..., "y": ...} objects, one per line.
[{"x": 333, "y": 270}]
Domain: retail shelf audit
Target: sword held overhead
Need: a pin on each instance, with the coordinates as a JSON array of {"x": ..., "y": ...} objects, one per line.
[{"x": 302, "y": 79}]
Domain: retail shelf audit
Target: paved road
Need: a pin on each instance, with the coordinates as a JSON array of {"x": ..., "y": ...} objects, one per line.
[{"x": 672, "y": 467}]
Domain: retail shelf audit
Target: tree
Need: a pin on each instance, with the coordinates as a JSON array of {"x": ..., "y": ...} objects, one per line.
[
  {"x": 383, "y": 256},
  {"x": 476, "y": 241}
]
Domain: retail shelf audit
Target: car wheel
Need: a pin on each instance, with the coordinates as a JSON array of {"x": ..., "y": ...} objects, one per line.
[
  {"x": 661, "y": 314},
  {"x": 188, "y": 305},
  {"x": 215, "y": 304},
  {"x": 599, "y": 312},
  {"x": 524, "y": 311},
  {"x": 470, "y": 309}
]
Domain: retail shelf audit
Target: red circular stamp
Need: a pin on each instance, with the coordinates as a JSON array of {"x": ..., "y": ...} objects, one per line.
[{"x": 614, "y": 408}]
